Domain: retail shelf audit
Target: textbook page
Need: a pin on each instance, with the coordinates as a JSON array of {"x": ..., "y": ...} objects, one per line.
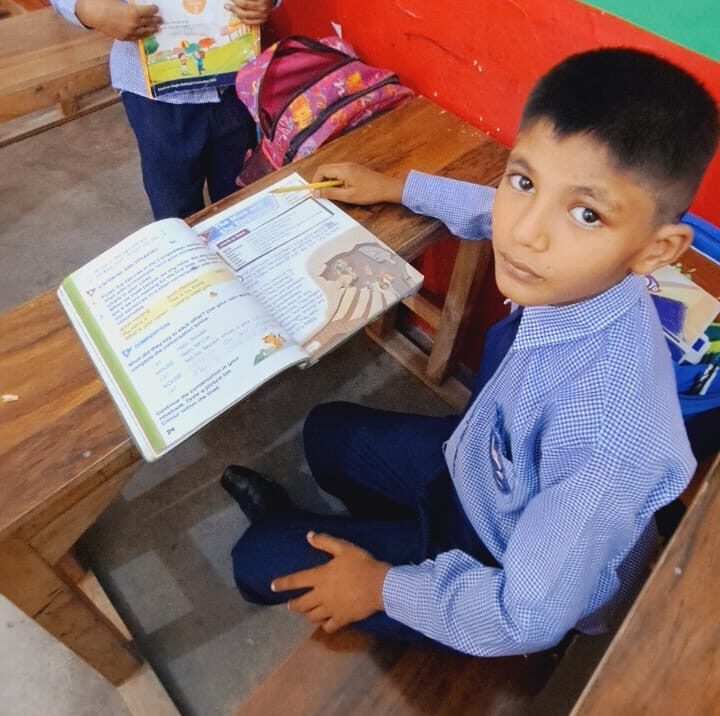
[
  {"x": 175, "y": 336},
  {"x": 317, "y": 270},
  {"x": 200, "y": 44}
]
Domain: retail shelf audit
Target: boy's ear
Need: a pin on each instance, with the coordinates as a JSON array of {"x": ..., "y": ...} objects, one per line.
[{"x": 666, "y": 246}]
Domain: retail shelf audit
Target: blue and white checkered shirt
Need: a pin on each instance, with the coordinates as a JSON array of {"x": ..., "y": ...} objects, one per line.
[
  {"x": 559, "y": 463},
  {"x": 126, "y": 73}
]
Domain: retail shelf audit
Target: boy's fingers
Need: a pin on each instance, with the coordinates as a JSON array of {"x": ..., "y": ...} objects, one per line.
[
  {"x": 317, "y": 615},
  {"x": 330, "y": 626},
  {"x": 328, "y": 171},
  {"x": 333, "y": 193},
  {"x": 296, "y": 580},
  {"x": 327, "y": 543},
  {"x": 145, "y": 11},
  {"x": 304, "y": 603}
]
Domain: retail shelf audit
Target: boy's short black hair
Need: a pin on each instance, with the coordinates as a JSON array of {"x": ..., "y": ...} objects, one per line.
[{"x": 654, "y": 118}]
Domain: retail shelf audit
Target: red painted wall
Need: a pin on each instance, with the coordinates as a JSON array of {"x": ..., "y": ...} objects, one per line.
[{"x": 479, "y": 59}]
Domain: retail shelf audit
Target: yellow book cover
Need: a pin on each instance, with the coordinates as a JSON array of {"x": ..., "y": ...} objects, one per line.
[{"x": 199, "y": 45}]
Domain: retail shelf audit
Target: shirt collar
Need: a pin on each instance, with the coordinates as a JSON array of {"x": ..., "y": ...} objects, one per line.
[{"x": 543, "y": 325}]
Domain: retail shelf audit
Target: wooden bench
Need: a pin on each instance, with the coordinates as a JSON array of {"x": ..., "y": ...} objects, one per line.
[{"x": 48, "y": 64}]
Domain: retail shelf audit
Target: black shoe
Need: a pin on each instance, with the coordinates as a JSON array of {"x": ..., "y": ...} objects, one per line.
[{"x": 257, "y": 496}]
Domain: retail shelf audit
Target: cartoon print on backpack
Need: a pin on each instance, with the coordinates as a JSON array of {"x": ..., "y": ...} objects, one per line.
[{"x": 302, "y": 93}]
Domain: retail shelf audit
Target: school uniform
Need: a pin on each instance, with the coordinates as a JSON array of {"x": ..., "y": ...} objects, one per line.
[
  {"x": 530, "y": 514},
  {"x": 185, "y": 138}
]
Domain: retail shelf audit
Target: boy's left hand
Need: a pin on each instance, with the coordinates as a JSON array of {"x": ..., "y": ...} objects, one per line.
[
  {"x": 344, "y": 590},
  {"x": 251, "y": 12}
]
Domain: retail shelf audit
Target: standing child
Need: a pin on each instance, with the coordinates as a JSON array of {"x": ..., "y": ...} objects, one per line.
[
  {"x": 185, "y": 138},
  {"x": 498, "y": 531}
]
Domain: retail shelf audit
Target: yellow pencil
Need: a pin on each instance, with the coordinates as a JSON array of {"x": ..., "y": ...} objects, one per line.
[{"x": 307, "y": 187}]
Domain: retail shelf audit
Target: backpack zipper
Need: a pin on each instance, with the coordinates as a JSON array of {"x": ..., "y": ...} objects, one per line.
[{"x": 300, "y": 137}]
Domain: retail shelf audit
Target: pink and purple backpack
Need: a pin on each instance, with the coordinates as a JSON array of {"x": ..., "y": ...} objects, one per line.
[{"x": 303, "y": 92}]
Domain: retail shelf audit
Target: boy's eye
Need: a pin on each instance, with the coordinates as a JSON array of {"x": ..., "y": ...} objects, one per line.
[
  {"x": 520, "y": 182},
  {"x": 585, "y": 216}
]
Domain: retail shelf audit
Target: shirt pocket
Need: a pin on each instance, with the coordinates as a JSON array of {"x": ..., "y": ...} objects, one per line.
[{"x": 510, "y": 494}]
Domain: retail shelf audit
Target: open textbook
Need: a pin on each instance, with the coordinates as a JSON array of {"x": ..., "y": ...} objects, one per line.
[
  {"x": 200, "y": 44},
  {"x": 183, "y": 322}
]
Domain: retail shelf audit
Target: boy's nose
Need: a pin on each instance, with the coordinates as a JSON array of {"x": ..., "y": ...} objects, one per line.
[{"x": 530, "y": 229}]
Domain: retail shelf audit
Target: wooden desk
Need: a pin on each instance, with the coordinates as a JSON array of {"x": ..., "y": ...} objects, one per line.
[
  {"x": 664, "y": 659},
  {"x": 48, "y": 64},
  {"x": 64, "y": 451}
]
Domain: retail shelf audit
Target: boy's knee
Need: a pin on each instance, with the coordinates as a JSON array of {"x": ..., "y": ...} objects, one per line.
[
  {"x": 320, "y": 419},
  {"x": 323, "y": 428},
  {"x": 270, "y": 549},
  {"x": 252, "y": 576}
]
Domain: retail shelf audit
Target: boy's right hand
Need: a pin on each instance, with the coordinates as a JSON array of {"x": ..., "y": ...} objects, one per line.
[
  {"x": 118, "y": 19},
  {"x": 361, "y": 185}
]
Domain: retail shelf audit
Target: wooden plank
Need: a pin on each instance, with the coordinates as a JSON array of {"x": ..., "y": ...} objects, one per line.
[
  {"x": 471, "y": 263},
  {"x": 26, "y": 126},
  {"x": 424, "y": 309},
  {"x": 19, "y": 6},
  {"x": 665, "y": 658},
  {"x": 27, "y": 97},
  {"x": 63, "y": 430},
  {"x": 385, "y": 324},
  {"x": 144, "y": 695},
  {"x": 142, "y": 692},
  {"x": 9, "y": 8},
  {"x": 65, "y": 611},
  {"x": 405, "y": 352},
  {"x": 352, "y": 674},
  {"x": 62, "y": 62},
  {"x": 56, "y": 535},
  {"x": 46, "y": 28}
]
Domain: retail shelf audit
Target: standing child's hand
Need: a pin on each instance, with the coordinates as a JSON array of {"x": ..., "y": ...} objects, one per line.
[
  {"x": 344, "y": 590},
  {"x": 118, "y": 19},
  {"x": 251, "y": 12},
  {"x": 361, "y": 185}
]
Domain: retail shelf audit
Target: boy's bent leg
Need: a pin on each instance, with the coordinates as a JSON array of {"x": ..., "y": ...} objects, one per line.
[
  {"x": 278, "y": 546},
  {"x": 232, "y": 133},
  {"x": 170, "y": 138},
  {"x": 274, "y": 548},
  {"x": 377, "y": 462}
]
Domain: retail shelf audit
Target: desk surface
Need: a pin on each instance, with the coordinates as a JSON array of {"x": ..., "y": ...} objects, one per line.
[
  {"x": 63, "y": 430},
  {"x": 62, "y": 61}
]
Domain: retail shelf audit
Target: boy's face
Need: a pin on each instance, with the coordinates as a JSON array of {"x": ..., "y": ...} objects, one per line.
[{"x": 567, "y": 225}]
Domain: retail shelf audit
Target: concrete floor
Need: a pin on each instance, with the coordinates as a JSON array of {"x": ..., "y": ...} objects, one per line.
[{"x": 161, "y": 550}]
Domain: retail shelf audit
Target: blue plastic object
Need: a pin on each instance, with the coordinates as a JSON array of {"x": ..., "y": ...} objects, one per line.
[{"x": 706, "y": 236}]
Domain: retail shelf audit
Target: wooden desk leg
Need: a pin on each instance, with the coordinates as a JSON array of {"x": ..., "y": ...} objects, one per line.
[
  {"x": 471, "y": 262},
  {"x": 47, "y": 596}
]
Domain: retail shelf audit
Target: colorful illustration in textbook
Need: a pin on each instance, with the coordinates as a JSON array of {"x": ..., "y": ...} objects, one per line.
[{"x": 200, "y": 44}]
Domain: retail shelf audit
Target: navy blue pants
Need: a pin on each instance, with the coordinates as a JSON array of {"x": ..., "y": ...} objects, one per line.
[
  {"x": 184, "y": 145},
  {"x": 389, "y": 471}
]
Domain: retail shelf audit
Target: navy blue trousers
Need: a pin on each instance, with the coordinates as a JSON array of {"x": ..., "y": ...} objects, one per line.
[
  {"x": 182, "y": 146},
  {"x": 389, "y": 471}
]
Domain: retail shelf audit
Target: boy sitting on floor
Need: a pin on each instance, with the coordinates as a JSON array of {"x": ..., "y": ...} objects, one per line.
[{"x": 498, "y": 531}]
